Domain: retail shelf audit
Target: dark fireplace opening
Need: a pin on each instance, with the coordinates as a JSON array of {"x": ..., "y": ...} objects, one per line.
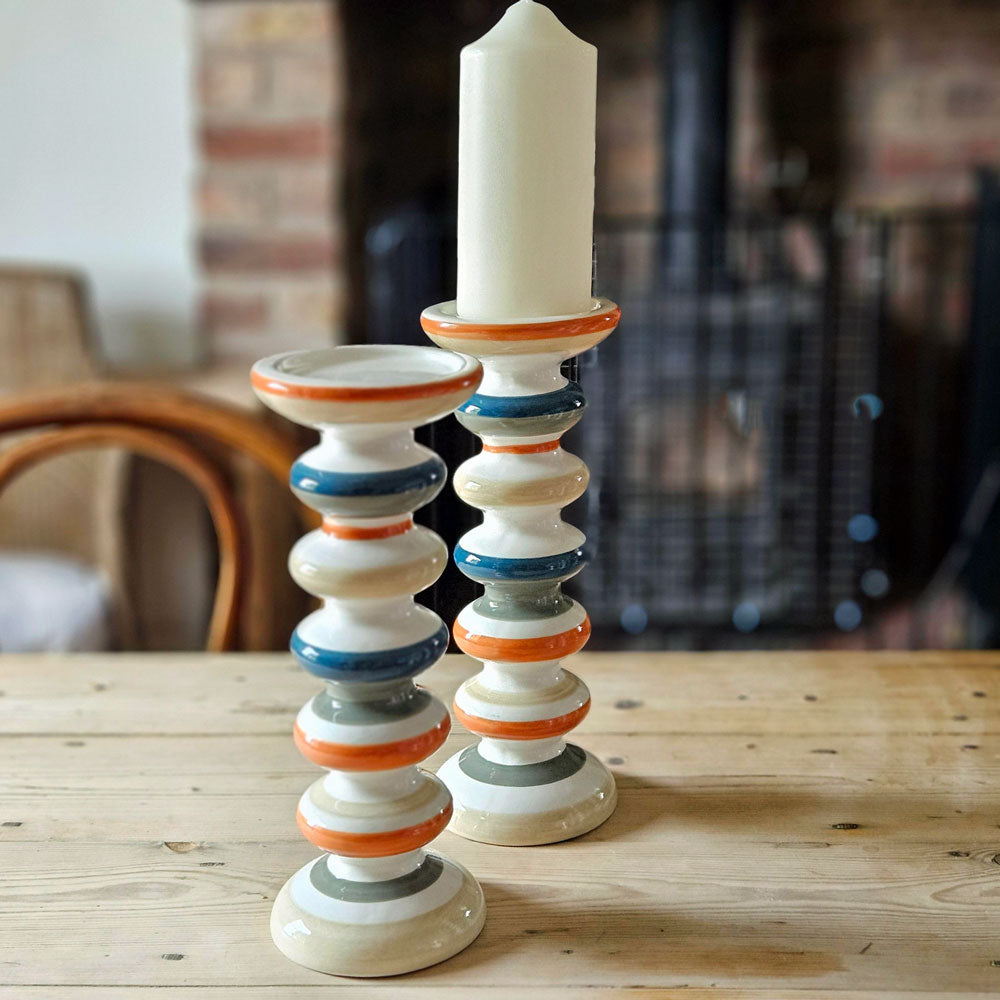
[{"x": 777, "y": 432}]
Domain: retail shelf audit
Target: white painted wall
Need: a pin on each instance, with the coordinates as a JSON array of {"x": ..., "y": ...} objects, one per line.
[{"x": 96, "y": 161}]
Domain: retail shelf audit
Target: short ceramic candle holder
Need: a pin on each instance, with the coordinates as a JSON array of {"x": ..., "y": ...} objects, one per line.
[
  {"x": 376, "y": 903},
  {"x": 523, "y": 784}
]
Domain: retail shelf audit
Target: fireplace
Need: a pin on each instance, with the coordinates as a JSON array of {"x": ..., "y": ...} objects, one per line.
[{"x": 773, "y": 428}]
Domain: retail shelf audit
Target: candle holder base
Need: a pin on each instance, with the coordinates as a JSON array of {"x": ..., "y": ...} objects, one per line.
[
  {"x": 518, "y": 805},
  {"x": 352, "y": 928}
]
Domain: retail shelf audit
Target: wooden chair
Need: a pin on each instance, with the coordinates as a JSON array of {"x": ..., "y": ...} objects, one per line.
[
  {"x": 47, "y": 340},
  {"x": 186, "y": 431}
]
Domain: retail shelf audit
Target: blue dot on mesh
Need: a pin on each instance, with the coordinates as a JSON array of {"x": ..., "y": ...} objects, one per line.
[
  {"x": 746, "y": 616},
  {"x": 634, "y": 619},
  {"x": 847, "y": 615},
  {"x": 862, "y": 527},
  {"x": 874, "y": 583},
  {"x": 868, "y": 405}
]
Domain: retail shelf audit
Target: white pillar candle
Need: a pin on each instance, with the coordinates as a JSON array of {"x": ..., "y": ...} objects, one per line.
[{"x": 527, "y": 113}]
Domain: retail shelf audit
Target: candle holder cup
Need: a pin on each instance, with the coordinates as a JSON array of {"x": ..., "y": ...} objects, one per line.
[
  {"x": 523, "y": 784},
  {"x": 376, "y": 903}
]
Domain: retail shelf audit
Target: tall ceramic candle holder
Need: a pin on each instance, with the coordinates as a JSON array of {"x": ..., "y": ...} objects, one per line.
[
  {"x": 376, "y": 903},
  {"x": 523, "y": 784}
]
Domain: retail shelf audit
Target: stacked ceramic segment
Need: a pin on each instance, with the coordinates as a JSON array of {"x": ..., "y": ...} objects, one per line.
[
  {"x": 523, "y": 783},
  {"x": 377, "y": 903}
]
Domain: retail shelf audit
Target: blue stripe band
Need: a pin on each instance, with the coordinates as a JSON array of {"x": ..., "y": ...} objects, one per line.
[
  {"x": 490, "y": 568},
  {"x": 378, "y": 665},
  {"x": 565, "y": 400},
  {"x": 365, "y": 484}
]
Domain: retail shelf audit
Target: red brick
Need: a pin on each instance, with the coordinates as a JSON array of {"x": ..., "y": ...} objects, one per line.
[
  {"x": 268, "y": 254},
  {"x": 310, "y": 306},
  {"x": 970, "y": 99},
  {"x": 925, "y": 156},
  {"x": 236, "y": 197},
  {"x": 629, "y": 111},
  {"x": 986, "y": 148},
  {"x": 229, "y": 82},
  {"x": 274, "y": 140},
  {"x": 899, "y": 158},
  {"x": 628, "y": 179},
  {"x": 264, "y": 22},
  {"x": 302, "y": 81},
  {"x": 233, "y": 311},
  {"x": 304, "y": 192},
  {"x": 243, "y": 347}
]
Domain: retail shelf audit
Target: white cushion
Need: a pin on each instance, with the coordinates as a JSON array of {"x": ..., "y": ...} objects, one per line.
[{"x": 51, "y": 604}]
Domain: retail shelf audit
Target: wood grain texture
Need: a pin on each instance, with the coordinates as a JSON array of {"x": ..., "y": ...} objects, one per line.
[
  {"x": 400, "y": 992},
  {"x": 807, "y": 825}
]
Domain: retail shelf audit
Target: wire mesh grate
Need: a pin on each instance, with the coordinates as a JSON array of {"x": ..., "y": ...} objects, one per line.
[{"x": 734, "y": 433}]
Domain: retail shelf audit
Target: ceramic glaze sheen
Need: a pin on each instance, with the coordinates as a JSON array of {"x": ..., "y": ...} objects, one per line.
[
  {"x": 376, "y": 903},
  {"x": 523, "y": 783}
]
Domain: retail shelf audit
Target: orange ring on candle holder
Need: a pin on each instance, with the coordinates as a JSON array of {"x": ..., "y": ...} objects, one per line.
[
  {"x": 365, "y": 394},
  {"x": 349, "y": 532},
  {"x": 571, "y": 326},
  {"x": 375, "y": 845},
  {"x": 372, "y": 756},
  {"x": 537, "y": 729},
  {"x": 521, "y": 449},
  {"x": 546, "y": 647}
]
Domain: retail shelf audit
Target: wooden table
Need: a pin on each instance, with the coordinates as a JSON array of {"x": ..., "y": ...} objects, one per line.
[{"x": 790, "y": 826}]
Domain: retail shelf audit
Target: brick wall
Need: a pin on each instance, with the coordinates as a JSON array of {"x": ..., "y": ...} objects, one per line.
[
  {"x": 883, "y": 103},
  {"x": 922, "y": 99},
  {"x": 271, "y": 109},
  {"x": 283, "y": 202},
  {"x": 629, "y": 150},
  {"x": 879, "y": 103},
  {"x": 888, "y": 103}
]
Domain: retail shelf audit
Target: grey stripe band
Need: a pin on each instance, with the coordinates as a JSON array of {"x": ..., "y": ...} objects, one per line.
[
  {"x": 370, "y": 713},
  {"x": 525, "y": 601},
  {"x": 545, "y": 772},
  {"x": 369, "y": 506},
  {"x": 552, "y": 423},
  {"x": 349, "y": 891}
]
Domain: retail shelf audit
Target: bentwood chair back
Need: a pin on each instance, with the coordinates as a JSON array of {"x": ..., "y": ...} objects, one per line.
[{"x": 188, "y": 432}]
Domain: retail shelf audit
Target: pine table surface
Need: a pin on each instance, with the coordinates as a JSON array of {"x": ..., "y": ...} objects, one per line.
[{"x": 790, "y": 825}]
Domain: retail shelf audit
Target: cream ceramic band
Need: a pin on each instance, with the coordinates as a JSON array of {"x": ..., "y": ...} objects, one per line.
[
  {"x": 523, "y": 783},
  {"x": 376, "y": 904}
]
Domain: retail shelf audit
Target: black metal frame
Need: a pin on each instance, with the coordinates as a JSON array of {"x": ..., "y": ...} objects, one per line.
[{"x": 754, "y": 377}]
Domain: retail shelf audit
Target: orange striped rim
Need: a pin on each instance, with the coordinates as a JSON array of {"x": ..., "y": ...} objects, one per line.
[
  {"x": 368, "y": 393},
  {"x": 521, "y": 449},
  {"x": 547, "y": 647},
  {"x": 340, "y": 530},
  {"x": 537, "y": 729},
  {"x": 373, "y": 756},
  {"x": 575, "y": 326},
  {"x": 375, "y": 845}
]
